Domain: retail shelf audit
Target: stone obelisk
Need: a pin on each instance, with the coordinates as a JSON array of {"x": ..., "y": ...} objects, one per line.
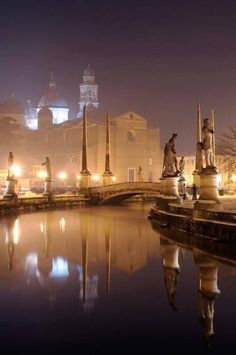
[
  {"x": 107, "y": 175},
  {"x": 85, "y": 175},
  {"x": 198, "y": 154},
  {"x": 212, "y": 116}
]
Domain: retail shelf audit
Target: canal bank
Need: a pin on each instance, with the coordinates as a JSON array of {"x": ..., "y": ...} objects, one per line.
[{"x": 217, "y": 224}]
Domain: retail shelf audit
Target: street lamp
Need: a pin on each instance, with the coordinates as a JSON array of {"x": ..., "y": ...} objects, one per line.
[
  {"x": 62, "y": 176},
  {"x": 95, "y": 179},
  {"x": 16, "y": 170}
]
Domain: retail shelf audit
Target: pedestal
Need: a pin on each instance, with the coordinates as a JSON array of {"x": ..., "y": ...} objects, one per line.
[
  {"x": 11, "y": 190},
  {"x": 85, "y": 181},
  {"x": 170, "y": 186},
  {"x": 209, "y": 186},
  {"x": 196, "y": 178},
  {"x": 48, "y": 189},
  {"x": 107, "y": 179}
]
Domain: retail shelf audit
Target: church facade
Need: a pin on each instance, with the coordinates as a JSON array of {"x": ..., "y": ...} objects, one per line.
[{"x": 50, "y": 133}]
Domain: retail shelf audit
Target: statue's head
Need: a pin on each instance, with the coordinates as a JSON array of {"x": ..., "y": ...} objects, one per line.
[
  {"x": 174, "y": 135},
  {"x": 47, "y": 158},
  {"x": 206, "y": 121}
]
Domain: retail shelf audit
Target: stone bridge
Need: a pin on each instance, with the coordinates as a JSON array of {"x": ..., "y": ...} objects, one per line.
[{"x": 116, "y": 193}]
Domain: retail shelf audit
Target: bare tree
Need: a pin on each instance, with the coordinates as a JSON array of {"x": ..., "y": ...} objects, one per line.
[{"x": 226, "y": 147}]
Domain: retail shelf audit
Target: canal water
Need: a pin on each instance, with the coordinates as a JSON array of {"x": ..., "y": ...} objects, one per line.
[{"x": 104, "y": 280}]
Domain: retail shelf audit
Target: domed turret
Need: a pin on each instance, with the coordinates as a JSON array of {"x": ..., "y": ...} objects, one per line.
[
  {"x": 13, "y": 108},
  {"x": 88, "y": 92},
  {"x": 88, "y": 75},
  {"x": 45, "y": 118}
]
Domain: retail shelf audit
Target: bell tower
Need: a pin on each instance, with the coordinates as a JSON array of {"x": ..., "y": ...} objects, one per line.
[{"x": 88, "y": 91}]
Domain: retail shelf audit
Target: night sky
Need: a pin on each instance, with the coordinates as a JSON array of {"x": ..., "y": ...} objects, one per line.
[{"x": 157, "y": 58}]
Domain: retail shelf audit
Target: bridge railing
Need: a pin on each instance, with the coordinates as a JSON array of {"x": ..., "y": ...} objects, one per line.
[{"x": 129, "y": 186}]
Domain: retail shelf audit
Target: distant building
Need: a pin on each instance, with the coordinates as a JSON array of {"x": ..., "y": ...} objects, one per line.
[
  {"x": 13, "y": 108},
  {"x": 133, "y": 143}
]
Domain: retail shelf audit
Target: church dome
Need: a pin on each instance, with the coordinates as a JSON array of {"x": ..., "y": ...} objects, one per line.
[
  {"x": 52, "y": 98},
  {"x": 12, "y": 106},
  {"x": 45, "y": 117}
]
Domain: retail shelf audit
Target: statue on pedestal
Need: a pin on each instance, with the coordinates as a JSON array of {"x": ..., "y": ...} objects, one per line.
[
  {"x": 10, "y": 173},
  {"x": 170, "y": 164},
  {"x": 140, "y": 175},
  {"x": 207, "y": 143},
  {"x": 47, "y": 164}
]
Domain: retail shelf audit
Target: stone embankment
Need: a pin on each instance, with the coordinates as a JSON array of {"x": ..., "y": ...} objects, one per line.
[
  {"x": 41, "y": 203},
  {"x": 218, "y": 224}
]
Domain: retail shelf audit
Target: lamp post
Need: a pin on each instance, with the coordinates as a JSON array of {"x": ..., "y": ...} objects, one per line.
[{"x": 62, "y": 176}]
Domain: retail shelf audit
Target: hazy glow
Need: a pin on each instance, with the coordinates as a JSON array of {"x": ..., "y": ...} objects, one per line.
[
  {"x": 16, "y": 231},
  {"x": 95, "y": 177},
  {"x": 42, "y": 174},
  {"x": 59, "y": 267},
  {"x": 41, "y": 227},
  {"x": 16, "y": 170},
  {"x": 78, "y": 177},
  {"x": 234, "y": 178},
  {"x": 113, "y": 178},
  {"x": 62, "y": 224},
  {"x": 62, "y": 175}
]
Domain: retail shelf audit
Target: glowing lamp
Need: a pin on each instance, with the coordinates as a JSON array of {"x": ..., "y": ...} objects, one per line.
[
  {"x": 95, "y": 177},
  {"x": 42, "y": 174},
  {"x": 16, "y": 170},
  {"x": 62, "y": 175}
]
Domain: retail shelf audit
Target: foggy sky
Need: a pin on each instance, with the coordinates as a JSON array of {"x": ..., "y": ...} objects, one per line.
[{"x": 158, "y": 58}]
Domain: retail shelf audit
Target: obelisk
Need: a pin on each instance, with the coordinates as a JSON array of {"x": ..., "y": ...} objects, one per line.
[
  {"x": 85, "y": 175},
  {"x": 107, "y": 175}
]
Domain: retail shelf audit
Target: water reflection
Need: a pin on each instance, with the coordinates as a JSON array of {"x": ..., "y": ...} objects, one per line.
[
  {"x": 170, "y": 255},
  {"x": 207, "y": 290},
  {"x": 101, "y": 261}
]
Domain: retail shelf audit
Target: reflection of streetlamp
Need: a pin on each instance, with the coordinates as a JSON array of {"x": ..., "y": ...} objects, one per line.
[
  {"x": 113, "y": 178},
  {"x": 233, "y": 178},
  {"x": 62, "y": 176}
]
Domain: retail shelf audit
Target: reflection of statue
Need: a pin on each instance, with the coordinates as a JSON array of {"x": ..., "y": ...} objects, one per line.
[
  {"x": 10, "y": 173},
  {"x": 47, "y": 164},
  {"x": 170, "y": 255},
  {"x": 140, "y": 174},
  {"x": 207, "y": 144},
  {"x": 170, "y": 164}
]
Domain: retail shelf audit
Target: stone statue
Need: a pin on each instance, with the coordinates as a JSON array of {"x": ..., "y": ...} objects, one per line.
[
  {"x": 10, "y": 174},
  {"x": 170, "y": 164},
  {"x": 140, "y": 175},
  {"x": 207, "y": 144},
  {"x": 47, "y": 164},
  {"x": 181, "y": 165}
]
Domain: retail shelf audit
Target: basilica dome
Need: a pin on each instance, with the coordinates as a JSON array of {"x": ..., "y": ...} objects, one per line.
[
  {"x": 52, "y": 97},
  {"x": 45, "y": 117}
]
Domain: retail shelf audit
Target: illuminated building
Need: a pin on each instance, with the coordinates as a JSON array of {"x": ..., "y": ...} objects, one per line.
[{"x": 88, "y": 92}]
